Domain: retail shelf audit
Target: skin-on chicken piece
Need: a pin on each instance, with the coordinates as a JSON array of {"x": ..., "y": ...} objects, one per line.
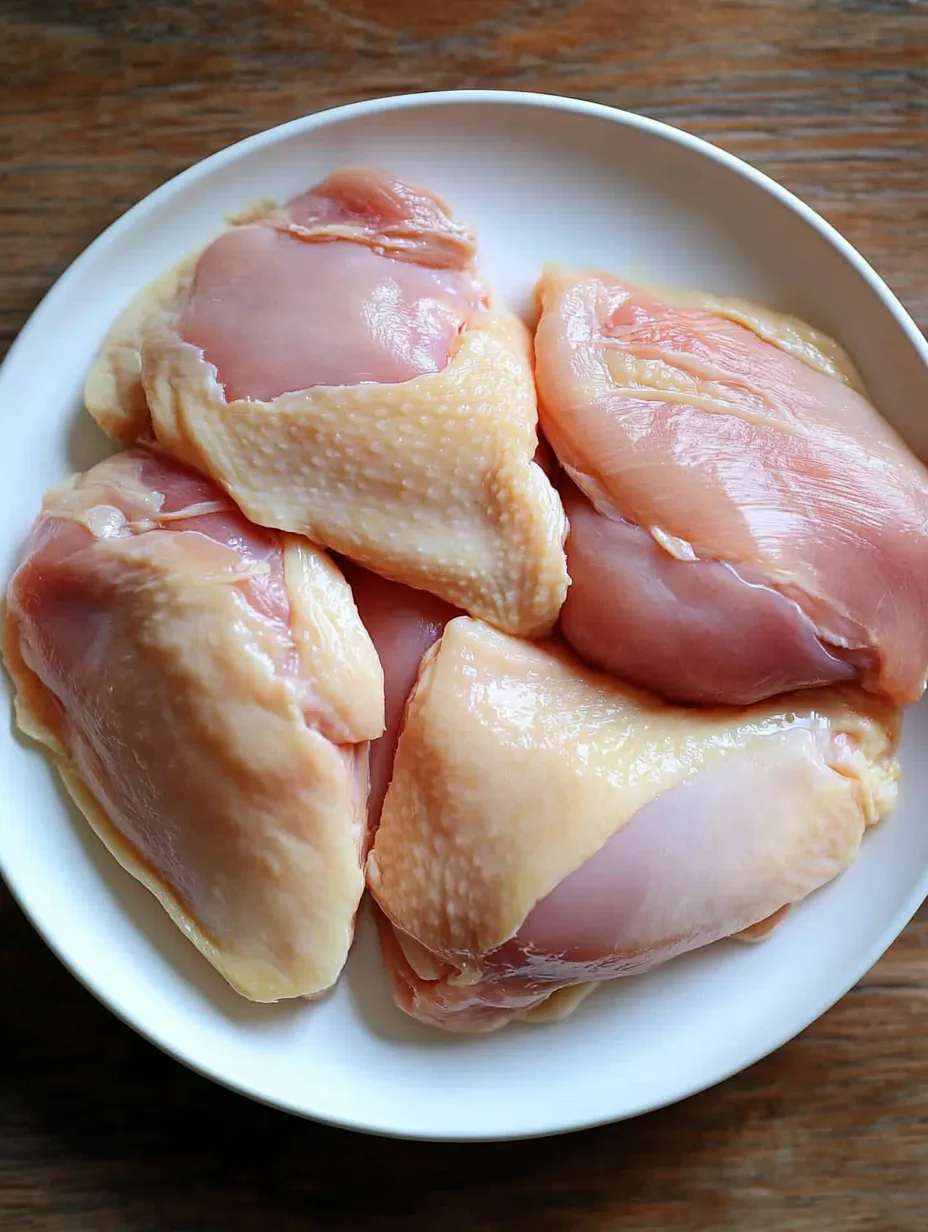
[
  {"x": 547, "y": 827},
  {"x": 208, "y": 692},
  {"x": 336, "y": 365},
  {"x": 742, "y": 520}
]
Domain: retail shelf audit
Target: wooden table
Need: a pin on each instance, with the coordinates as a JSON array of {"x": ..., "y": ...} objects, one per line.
[{"x": 102, "y": 101}]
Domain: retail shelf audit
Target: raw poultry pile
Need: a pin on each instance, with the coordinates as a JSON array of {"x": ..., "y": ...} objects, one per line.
[{"x": 338, "y": 614}]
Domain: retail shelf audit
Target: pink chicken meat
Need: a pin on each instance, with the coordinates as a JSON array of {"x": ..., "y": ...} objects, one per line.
[
  {"x": 208, "y": 692},
  {"x": 339, "y": 368},
  {"x": 403, "y": 624},
  {"x": 263, "y": 309},
  {"x": 742, "y": 520},
  {"x": 547, "y": 828}
]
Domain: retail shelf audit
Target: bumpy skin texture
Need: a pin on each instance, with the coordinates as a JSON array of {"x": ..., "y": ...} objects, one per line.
[
  {"x": 743, "y": 521},
  {"x": 338, "y": 368},
  {"x": 547, "y": 827},
  {"x": 208, "y": 692}
]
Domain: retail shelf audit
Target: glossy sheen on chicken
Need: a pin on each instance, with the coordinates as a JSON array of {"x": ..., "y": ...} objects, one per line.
[
  {"x": 742, "y": 520},
  {"x": 547, "y": 827},
  {"x": 337, "y": 366},
  {"x": 208, "y": 692}
]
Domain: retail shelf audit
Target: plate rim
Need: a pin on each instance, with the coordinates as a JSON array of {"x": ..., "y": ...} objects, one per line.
[{"x": 410, "y": 101}]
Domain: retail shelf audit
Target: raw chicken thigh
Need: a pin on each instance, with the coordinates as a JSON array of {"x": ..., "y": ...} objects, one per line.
[
  {"x": 337, "y": 366},
  {"x": 742, "y": 520},
  {"x": 208, "y": 692},
  {"x": 547, "y": 827}
]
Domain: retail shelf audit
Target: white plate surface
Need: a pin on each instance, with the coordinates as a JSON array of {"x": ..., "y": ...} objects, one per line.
[{"x": 541, "y": 179}]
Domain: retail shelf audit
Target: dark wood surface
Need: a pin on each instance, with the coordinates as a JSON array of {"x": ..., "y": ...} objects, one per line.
[{"x": 104, "y": 99}]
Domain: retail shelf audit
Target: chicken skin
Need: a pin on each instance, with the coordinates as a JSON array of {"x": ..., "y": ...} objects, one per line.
[
  {"x": 208, "y": 693},
  {"x": 337, "y": 366},
  {"x": 547, "y": 827}
]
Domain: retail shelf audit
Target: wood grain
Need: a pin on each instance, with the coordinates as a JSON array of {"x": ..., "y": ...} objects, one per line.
[{"x": 105, "y": 99}]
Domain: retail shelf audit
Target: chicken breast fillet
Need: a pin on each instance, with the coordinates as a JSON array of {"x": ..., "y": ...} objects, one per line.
[
  {"x": 208, "y": 692},
  {"x": 742, "y": 520},
  {"x": 547, "y": 827},
  {"x": 337, "y": 366}
]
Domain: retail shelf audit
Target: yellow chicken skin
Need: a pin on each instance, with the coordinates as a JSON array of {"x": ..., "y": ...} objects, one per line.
[
  {"x": 548, "y": 827},
  {"x": 208, "y": 692},
  {"x": 339, "y": 369}
]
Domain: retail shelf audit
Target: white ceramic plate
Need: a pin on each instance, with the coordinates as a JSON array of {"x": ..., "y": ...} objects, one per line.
[{"x": 541, "y": 178}]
